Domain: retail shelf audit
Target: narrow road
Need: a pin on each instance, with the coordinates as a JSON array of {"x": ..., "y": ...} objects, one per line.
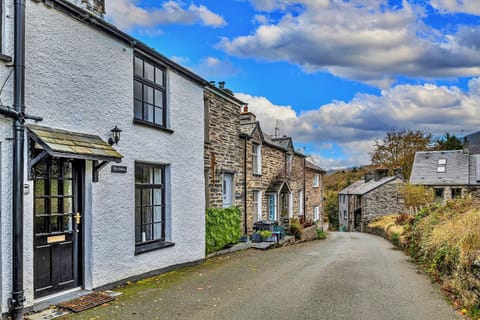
[{"x": 348, "y": 276}]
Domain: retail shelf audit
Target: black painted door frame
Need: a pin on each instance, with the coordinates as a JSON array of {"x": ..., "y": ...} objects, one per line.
[{"x": 58, "y": 251}]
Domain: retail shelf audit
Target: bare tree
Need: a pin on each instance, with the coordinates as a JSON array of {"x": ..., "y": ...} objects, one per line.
[{"x": 398, "y": 149}]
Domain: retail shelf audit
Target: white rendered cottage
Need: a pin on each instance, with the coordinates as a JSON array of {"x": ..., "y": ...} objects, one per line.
[{"x": 145, "y": 213}]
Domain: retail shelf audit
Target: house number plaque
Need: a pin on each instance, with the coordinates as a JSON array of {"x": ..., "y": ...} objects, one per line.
[
  {"x": 56, "y": 239},
  {"x": 119, "y": 169}
]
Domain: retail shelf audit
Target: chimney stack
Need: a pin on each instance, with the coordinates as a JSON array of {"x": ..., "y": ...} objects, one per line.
[
  {"x": 246, "y": 116},
  {"x": 465, "y": 146},
  {"x": 97, "y": 7},
  {"x": 381, "y": 173},
  {"x": 368, "y": 176},
  {"x": 398, "y": 171}
]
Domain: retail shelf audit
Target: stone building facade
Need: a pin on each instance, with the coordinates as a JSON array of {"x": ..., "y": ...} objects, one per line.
[
  {"x": 314, "y": 188},
  {"x": 375, "y": 196},
  {"x": 224, "y": 176},
  {"x": 274, "y": 175}
]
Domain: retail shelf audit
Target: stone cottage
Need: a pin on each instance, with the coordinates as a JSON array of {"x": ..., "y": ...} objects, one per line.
[
  {"x": 376, "y": 195},
  {"x": 448, "y": 174},
  {"x": 224, "y": 169},
  {"x": 94, "y": 213},
  {"x": 274, "y": 175},
  {"x": 314, "y": 188}
]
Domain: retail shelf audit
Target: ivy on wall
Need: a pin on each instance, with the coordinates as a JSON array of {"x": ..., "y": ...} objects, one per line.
[{"x": 223, "y": 227}]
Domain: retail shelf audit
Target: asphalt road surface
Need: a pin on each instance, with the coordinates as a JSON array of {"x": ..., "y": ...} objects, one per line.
[{"x": 348, "y": 276}]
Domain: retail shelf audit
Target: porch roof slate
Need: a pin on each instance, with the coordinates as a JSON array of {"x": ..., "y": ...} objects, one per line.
[{"x": 68, "y": 144}]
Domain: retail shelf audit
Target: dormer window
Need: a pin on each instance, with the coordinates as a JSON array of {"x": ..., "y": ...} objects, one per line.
[{"x": 442, "y": 165}]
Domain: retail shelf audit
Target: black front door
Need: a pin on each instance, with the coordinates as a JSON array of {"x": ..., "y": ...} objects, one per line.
[{"x": 57, "y": 230}]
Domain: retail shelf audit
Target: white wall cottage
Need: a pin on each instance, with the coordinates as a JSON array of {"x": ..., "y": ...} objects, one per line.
[{"x": 81, "y": 79}]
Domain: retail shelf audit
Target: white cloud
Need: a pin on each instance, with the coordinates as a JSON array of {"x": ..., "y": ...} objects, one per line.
[
  {"x": 457, "y": 6},
  {"x": 353, "y": 125},
  {"x": 212, "y": 67},
  {"x": 129, "y": 14},
  {"x": 364, "y": 40}
]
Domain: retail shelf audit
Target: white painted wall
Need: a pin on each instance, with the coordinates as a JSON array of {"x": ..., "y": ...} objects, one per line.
[{"x": 81, "y": 79}]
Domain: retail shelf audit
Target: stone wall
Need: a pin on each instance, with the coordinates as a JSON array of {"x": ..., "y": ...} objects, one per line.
[
  {"x": 384, "y": 200},
  {"x": 223, "y": 150},
  {"x": 314, "y": 195}
]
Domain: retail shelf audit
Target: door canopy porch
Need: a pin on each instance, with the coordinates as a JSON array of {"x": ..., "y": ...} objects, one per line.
[{"x": 58, "y": 143}]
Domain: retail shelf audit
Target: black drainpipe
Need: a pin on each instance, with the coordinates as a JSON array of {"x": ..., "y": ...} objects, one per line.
[
  {"x": 245, "y": 188},
  {"x": 18, "y": 160},
  {"x": 304, "y": 190}
]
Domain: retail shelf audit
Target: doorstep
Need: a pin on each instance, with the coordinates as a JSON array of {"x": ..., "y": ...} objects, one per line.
[{"x": 45, "y": 308}]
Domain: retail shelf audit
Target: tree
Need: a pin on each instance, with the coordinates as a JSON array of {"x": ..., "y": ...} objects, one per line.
[
  {"x": 448, "y": 142},
  {"x": 398, "y": 149},
  {"x": 331, "y": 207}
]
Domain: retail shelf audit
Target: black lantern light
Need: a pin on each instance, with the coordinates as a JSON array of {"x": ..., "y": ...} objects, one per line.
[{"x": 115, "y": 136}]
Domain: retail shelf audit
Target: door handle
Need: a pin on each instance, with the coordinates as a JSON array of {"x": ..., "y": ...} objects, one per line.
[{"x": 77, "y": 217}]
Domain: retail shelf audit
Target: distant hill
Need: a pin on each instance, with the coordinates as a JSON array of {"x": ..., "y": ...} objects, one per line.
[{"x": 340, "y": 179}]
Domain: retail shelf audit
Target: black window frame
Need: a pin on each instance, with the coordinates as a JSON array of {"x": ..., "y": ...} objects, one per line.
[
  {"x": 154, "y": 243},
  {"x": 155, "y": 86}
]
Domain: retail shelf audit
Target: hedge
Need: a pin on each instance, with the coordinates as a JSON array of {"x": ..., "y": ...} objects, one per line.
[{"x": 223, "y": 227}]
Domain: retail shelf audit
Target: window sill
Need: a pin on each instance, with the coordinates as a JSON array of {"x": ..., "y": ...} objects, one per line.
[
  {"x": 256, "y": 174},
  {"x": 152, "y": 125},
  {"x": 5, "y": 58},
  {"x": 147, "y": 247}
]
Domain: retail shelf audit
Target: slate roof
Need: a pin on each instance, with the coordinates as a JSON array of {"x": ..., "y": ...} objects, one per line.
[
  {"x": 457, "y": 169},
  {"x": 248, "y": 128},
  {"x": 352, "y": 187},
  {"x": 313, "y": 166},
  {"x": 361, "y": 187},
  {"x": 285, "y": 142},
  {"x": 68, "y": 144}
]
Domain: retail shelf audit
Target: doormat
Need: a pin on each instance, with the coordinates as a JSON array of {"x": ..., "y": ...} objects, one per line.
[{"x": 86, "y": 302}]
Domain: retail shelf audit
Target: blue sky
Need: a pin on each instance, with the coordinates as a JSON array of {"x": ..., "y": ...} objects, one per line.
[{"x": 333, "y": 74}]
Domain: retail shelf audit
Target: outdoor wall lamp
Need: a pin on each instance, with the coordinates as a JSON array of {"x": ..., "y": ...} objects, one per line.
[{"x": 115, "y": 136}]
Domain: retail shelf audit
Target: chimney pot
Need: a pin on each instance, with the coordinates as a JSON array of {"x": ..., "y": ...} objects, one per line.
[{"x": 221, "y": 84}]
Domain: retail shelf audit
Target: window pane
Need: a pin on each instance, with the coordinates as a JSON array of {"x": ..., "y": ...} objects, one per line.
[
  {"x": 157, "y": 173},
  {"x": 137, "y": 90},
  {"x": 138, "y": 66},
  {"x": 157, "y": 197},
  {"x": 138, "y": 216},
  {"x": 147, "y": 197},
  {"x": 67, "y": 188},
  {"x": 40, "y": 170},
  {"x": 39, "y": 187},
  {"x": 67, "y": 170},
  {"x": 40, "y": 225},
  {"x": 148, "y": 175},
  {"x": 158, "y": 98},
  {"x": 137, "y": 109},
  {"x": 138, "y": 234},
  {"x": 54, "y": 224},
  {"x": 159, "y": 116},
  {"x": 149, "y": 72},
  {"x": 67, "y": 223},
  {"x": 148, "y": 94},
  {"x": 40, "y": 206},
  {"x": 138, "y": 199},
  {"x": 53, "y": 187},
  {"x": 54, "y": 205},
  {"x": 67, "y": 205},
  {"x": 159, "y": 76},
  {"x": 148, "y": 232},
  {"x": 147, "y": 215},
  {"x": 157, "y": 214},
  {"x": 157, "y": 231},
  {"x": 148, "y": 112},
  {"x": 138, "y": 175}
]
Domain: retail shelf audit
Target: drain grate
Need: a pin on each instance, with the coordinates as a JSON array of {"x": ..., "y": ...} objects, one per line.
[{"x": 86, "y": 302}]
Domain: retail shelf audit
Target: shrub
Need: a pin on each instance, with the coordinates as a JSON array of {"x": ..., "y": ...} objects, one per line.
[
  {"x": 265, "y": 234},
  {"x": 395, "y": 238},
  {"x": 223, "y": 227},
  {"x": 321, "y": 235},
  {"x": 403, "y": 219},
  {"x": 296, "y": 228}
]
